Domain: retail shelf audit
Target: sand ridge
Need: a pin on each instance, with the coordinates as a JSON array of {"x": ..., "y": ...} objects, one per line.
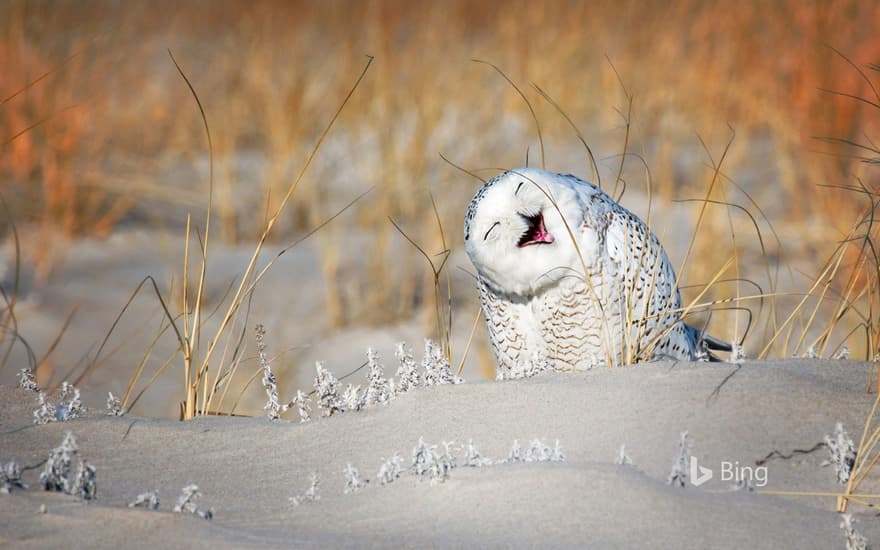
[{"x": 247, "y": 468}]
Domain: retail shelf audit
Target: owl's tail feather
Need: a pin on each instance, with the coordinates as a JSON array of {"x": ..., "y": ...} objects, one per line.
[
  {"x": 715, "y": 344},
  {"x": 710, "y": 344},
  {"x": 705, "y": 344}
]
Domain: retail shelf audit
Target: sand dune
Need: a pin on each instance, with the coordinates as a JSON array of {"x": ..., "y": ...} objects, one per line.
[{"x": 247, "y": 468}]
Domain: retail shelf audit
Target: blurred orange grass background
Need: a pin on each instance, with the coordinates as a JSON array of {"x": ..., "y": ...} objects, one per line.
[{"x": 112, "y": 137}]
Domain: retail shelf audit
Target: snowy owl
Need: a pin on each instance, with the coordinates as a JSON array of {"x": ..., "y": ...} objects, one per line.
[{"x": 570, "y": 279}]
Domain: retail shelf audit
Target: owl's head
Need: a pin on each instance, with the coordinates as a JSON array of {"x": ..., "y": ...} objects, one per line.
[{"x": 518, "y": 230}]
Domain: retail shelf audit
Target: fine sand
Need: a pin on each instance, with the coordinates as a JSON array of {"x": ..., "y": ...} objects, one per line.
[{"x": 247, "y": 468}]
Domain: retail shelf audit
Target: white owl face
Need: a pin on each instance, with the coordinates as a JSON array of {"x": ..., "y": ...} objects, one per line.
[{"x": 516, "y": 234}]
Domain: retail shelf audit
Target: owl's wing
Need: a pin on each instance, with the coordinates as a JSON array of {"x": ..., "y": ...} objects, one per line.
[
  {"x": 643, "y": 277},
  {"x": 511, "y": 327},
  {"x": 642, "y": 263}
]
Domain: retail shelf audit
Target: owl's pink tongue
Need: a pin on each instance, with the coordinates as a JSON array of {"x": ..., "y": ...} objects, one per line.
[{"x": 537, "y": 233}]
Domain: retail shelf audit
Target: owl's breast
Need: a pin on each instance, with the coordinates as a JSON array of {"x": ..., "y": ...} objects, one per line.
[{"x": 573, "y": 317}]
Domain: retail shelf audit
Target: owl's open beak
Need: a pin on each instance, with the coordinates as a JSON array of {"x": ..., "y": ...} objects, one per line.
[{"x": 536, "y": 232}]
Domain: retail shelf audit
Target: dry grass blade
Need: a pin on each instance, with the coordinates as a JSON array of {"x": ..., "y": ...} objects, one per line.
[
  {"x": 35, "y": 81},
  {"x": 192, "y": 335},
  {"x": 849, "y": 143},
  {"x": 167, "y": 322},
  {"x": 867, "y": 455},
  {"x": 627, "y": 119},
  {"x": 594, "y": 168},
  {"x": 37, "y": 124},
  {"x": 737, "y": 278},
  {"x": 57, "y": 339},
  {"x": 229, "y": 373},
  {"x": 11, "y": 332},
  {"x": 168, "y": 362},
  {"x": 827, "y": 275},
  {"x": 447, "y": 337},
  {"x": 148, "y": 279},
  {"x": 851, "y": 96},
  {"x": 443, "y": 333},
  {"x": 528, "y": 104},
  {"x": 772, "y": 320},
  {"x": 461, "y": 169},
  {"x": 716, "y": 172},
  {"x": 470, "y": 339},
  {"x": 252, "y": 286},
  {"x": 9, "y": 320},
  {"x": 858, "y": 69},
  {"x": 244, "y": 388},
  {"x": 132, "y": 382}
]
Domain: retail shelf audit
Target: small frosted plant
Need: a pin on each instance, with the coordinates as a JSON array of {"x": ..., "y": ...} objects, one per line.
[
  {"x": 811, "y": 353},
  {"x": 45, "y": 411},
  {"x": 326, "y": 390},
  {"x": 303, "y": 405},
  {"x": 854, "y": 539},
  {"x": 353, "y": 480},
  {"x": 408, "y": 376},
  {"x": 449, "y": 452},
  {"x": 442, "y": 464},
  {"x": 114, "y": 405},
  {"x": 57, "y": 471},
  {"x": 428, "y": 463},
  {"x": 353, "y": 399},
  {"x": 186, "y": 502},
  {"x": 557, "y": 455},
  {"x": 737, "y": 353},
  {"x": 390, "y": 469},
  {"x": 842, "y": 353},
  {"x": 56, "y": 474},
  {"x": 86, "y": 486},
  {"x": 272, "y": 407},
  {"x": 422, "y": 457},
  {"x": 473, "y": 458},
  {"x": 622, "y": 458},
  {"x": 10, "y": 478},
  {"x": 26, "y": 380},
  {"x": 378, "y": 390},
  {"x": 69, "y": 404},
  {"x": 537, "y": 452},
  {"x": 436, "y": 366},
  {"x": 842, "y": 452},
  {"x": 148, "y": 500},
  {"x": 310, "y": 494},
  {"x": 679, "y": 474},
  {"x": 515, "y": 454}
]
